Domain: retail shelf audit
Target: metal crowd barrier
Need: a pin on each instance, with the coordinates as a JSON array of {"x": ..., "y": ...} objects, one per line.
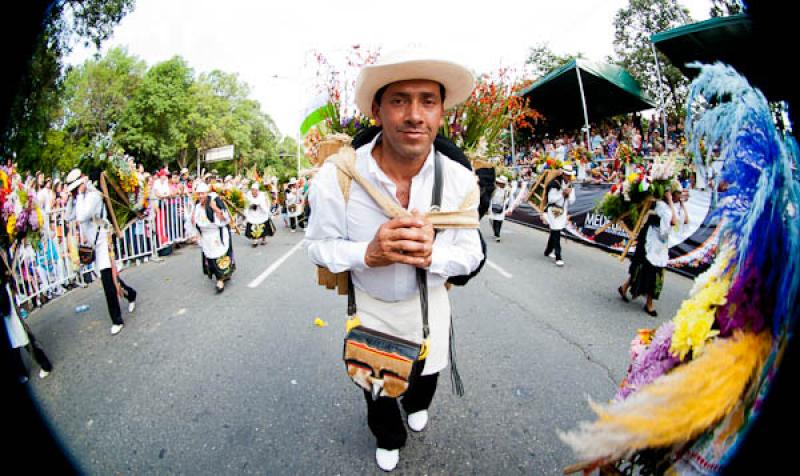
[{"x": 51, "y": 267}]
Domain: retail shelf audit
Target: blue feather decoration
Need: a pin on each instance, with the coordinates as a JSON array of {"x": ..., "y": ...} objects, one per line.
[{"x": 759, "y": 207}]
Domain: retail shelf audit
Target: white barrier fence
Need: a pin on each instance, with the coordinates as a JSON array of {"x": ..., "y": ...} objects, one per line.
[{"x": 51, "y": 267}]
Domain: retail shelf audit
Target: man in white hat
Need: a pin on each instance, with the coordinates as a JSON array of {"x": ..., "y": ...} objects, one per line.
[
  {"x": 498, "y": 207},
  {"x": 406, "y": 94},
  {"x": 560, "y": 195},
  {"x": 91, "y": 215}
]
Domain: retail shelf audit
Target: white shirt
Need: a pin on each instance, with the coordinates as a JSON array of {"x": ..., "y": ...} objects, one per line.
[
  {"x": 656, "y": 248},
  {"x": 261, "y": 212},
  {"x": 555, "y": 197},
  {"x": 91, "y": 217},
  {"x": 500, "y": 197},
  {"x": 214, "y": 237},
  {"x": 338, "y": 232}
]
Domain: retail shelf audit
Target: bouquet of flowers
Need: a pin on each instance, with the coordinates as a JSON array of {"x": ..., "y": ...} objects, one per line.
[
  {"x": 21, "y": 213},
  {"x": 624, "y": 201}
]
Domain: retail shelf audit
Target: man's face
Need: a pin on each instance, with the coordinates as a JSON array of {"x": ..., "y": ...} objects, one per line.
[{"x": 410, "y": 113}]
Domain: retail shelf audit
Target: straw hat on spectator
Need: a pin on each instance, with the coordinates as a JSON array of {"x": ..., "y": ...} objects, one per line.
[
  {"x": 201, "y": 187},
  {"x": 73, "y": 179}
]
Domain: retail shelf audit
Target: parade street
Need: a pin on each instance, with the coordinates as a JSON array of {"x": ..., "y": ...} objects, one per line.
[{"x": 244, "y": 382}]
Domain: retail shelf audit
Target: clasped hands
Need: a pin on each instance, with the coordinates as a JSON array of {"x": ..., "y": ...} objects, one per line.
[{"x": 406, "y": 240}]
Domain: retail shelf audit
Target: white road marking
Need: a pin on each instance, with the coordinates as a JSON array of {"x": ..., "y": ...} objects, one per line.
[
  {"x": 260, "y": 279},
  {"x": 500, "y": 270}
]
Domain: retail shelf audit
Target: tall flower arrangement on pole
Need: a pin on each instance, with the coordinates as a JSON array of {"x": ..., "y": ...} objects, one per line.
[
  {"x": 336, "y": 80},
  {"x": 487, "y": 113}
]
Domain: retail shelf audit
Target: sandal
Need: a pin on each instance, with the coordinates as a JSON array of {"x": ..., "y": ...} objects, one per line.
[
  {"x": 622, "y": 295},
  {"x": 652, "y": 313},
  {"x": 220, "y": 286}
]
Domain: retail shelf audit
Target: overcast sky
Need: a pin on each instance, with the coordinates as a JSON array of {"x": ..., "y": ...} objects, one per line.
[{"x": 260, "y": 40}]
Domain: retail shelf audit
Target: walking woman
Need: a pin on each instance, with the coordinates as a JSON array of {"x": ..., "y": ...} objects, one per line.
[
  {"x": 294, "y": 207},
  {"x": 501, "y": 199},
  {"x": 19, "y": 334},
  {"x": 258, "y": 225},
  {"x": 90, "y": 213},
  {"x": 212, "y": 220},
  {"x": 646, "y": 272}
]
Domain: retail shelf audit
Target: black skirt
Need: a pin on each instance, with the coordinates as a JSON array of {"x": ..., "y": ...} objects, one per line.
[
  {"x": 646, "y": 279},
  {"x": 255, "y": 231},
  {"x": 219, "y": 268}
]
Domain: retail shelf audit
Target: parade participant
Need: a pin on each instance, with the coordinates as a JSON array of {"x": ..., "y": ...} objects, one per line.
[
  {"x": 646, "y": 272},
  {"x": 211, "y": 218},
  {"x": 560, "y": 195},
  {"x": 19, "y": 334},
  {"x": 91, "y": 213},
  {"x": 406, "y": 94},
  {"x": 294, "y": 207},
  {"x": 257, "y": 217},
  {"x": 501, "y": 199}
]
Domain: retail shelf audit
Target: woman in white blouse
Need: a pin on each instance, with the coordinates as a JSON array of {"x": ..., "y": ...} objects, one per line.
[
  {"x": 646, "y": 272},
  {"x": 212, "y": 221},
  {"x": 257, "y": 216}
]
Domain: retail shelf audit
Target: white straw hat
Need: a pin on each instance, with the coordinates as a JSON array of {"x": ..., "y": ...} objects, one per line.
[
  {"x": 502, "y": 179},
  {"x": 408, "y": 64},
  {"x": 73, "y": 179},
  {"x": 201, "y": 187}
]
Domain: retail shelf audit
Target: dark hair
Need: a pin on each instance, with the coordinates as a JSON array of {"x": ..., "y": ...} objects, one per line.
[{"x": 379, "y": 93}]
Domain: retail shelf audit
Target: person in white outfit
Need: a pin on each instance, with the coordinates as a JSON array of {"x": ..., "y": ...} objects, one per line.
[
  {"x": 498, "y": 207},
  {"x": 91, "y": 215},
  {"x": 560, "y": 195},
  {"x": 406, "y": 94},
  {"x": 294, "y": 207},
  {"x": 257, "y": 216},
  {"x": 212, "y": 220}
]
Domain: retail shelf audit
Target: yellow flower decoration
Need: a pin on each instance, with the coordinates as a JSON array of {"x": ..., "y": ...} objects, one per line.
[
  {"x": 696, "y": 316},
  {"x": 39, "y": 217},
  {"x": 11, "y": 225},
  {"x": 633, "y": 177}
]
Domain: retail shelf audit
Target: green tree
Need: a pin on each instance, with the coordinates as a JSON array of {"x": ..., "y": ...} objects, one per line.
[
  {"x": 97, "y": 92},
  {"x": 634, "y": 25},
  {"x": 724, "y": 8},
  {"x": 541, "y": 60},
  {"x": 154, "y": 126},
  {"x": 38, "y": 100}
]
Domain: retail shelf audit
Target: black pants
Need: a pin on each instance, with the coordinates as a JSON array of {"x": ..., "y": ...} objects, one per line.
[
  {"x": 384, "y": 418},
  {"x": 112, "y": 300},
  {"x": 496, "y": 225},
  {"x": 293, "y": 223},
  {"x": 554, "y": 244},
  {"x": 38, "y": 356}
]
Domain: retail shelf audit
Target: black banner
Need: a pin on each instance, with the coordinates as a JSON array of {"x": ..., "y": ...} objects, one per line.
[{"x": 692, "y": 246}]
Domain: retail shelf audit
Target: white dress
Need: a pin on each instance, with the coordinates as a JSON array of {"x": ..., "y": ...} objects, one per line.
[
  {"x": 656, "y": 245},
  {"x": 257, "y": 210},
  {"x": 214, "y": 237}
]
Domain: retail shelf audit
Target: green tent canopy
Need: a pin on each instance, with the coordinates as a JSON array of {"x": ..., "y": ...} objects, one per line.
[
  {"x": 608, "y": 90},
  {"x": 726, "y": 39}
]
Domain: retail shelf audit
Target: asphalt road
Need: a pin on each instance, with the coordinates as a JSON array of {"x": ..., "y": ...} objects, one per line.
[{"x": 245, "y": 383}]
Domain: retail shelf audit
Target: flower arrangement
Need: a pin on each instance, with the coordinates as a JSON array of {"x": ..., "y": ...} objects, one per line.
[
  {"x": 625, "y": 199},
  {"x": 21, "y": 213},
  {"x": 486, "y": 113}
]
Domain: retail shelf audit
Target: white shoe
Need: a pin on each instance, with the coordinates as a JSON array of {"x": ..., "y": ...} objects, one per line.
[
  {"x": 496, "y": 238},
  {"x": 131, "y": 306},
  {"x": 559, "y": 263},
  {"x": 43, "y": 373},
  {"x": 418, "y": 420},
  {"x": 387, "y": 459},
  {"x": 115, "y": 329},
  {"x": 552, "y": 255}
]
